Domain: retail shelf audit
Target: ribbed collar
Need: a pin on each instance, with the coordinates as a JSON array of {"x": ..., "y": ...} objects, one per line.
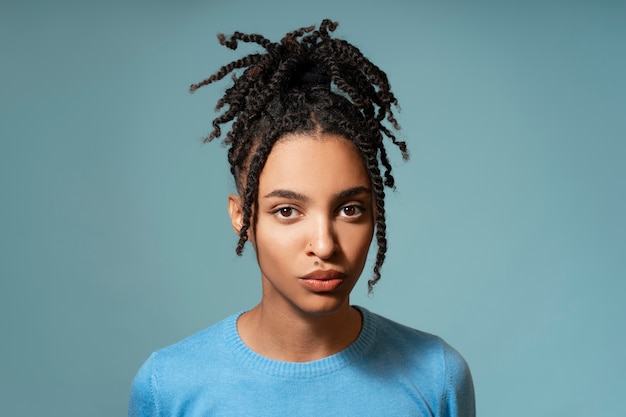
[{"x": 306, "y": 370}]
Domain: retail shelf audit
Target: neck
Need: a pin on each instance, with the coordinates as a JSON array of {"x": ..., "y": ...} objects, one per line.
[{"x": 296, "y": 336}]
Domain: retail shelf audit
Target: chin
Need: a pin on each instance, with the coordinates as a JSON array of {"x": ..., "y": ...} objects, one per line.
[{"x": 324, "y": 304}]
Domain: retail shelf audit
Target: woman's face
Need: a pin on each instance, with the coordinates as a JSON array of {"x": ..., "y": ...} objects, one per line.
[{"x": 315, "y": 220}]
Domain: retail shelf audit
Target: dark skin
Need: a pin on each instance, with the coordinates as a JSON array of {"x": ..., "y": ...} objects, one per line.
[
  {"x": 307, "y": 82},
  {"x": 308, "y": 224}
]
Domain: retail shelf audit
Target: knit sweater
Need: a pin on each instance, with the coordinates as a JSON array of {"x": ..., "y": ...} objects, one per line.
[{"x": 389, "y": 370}]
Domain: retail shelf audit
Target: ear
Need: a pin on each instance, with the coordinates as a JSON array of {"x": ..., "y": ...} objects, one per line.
[{"x": 235, "y": 212}]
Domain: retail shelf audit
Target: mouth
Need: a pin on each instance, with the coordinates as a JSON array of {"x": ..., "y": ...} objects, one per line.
[{"x": 323, "y": 280}]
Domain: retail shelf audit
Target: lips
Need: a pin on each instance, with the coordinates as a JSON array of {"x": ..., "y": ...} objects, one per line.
[
  {"x": 321, "y": 280},
  {"x": 324, "y": 275}
]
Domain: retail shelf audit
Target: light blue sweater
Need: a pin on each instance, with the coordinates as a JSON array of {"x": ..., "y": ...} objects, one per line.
[{"x": 390, "y": 370}]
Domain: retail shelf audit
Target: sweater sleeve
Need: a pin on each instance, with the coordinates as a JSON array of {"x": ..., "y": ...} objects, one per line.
[
  {"x": 142, "y": 402},
  {"x": 460, "y": 401}
]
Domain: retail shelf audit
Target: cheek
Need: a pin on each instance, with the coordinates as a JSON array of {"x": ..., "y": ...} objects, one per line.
[
  {"x": 276, "y": 243},
  {"x": 356, "y": 241}
]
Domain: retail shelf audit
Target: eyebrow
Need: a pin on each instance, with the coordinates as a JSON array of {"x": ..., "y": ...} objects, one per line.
[
  {"x": 293, "y": 195},
  {"x": 351, "y": 192}
]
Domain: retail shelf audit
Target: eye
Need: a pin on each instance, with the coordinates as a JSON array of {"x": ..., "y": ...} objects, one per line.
[
  {"x": 286, "y": 212},
  {"x": 351, "y": 211}
]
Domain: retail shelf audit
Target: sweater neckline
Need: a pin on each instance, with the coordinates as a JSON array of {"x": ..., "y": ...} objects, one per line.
[{"x": 252, "y": 360}]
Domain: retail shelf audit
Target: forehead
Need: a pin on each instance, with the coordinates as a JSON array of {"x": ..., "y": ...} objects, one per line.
[{"x": 313, "y": 163}]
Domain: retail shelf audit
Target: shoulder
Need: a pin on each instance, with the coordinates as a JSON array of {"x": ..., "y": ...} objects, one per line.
[
  {"x": 202, "y": 345},
  {"x": 180, "y": 367},
  {"x": 427, "y": 361},
  {"x": 415, "y": 346},
  {"x": 404, "y": 340}
]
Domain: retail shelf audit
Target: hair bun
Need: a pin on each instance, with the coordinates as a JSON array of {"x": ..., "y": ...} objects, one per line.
[{"x": 308, "y": 75}]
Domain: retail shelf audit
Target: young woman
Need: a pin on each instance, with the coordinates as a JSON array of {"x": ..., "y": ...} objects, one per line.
[{"x": 306, "y": 150}]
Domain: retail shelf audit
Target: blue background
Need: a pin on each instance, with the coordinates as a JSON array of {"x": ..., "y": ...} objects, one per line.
[{"x": 507, "y": 232}]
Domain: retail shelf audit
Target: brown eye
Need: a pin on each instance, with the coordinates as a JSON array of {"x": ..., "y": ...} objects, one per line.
[
  {"x": 351, "y": 211},
  {"x": 286, "y": 211}
]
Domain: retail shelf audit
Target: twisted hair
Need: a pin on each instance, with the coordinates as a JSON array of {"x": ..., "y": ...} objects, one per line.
[{"x": 308, "y": 82}]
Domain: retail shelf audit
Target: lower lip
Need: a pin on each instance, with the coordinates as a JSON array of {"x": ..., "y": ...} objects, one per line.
[{"x": 321, "y": 284}]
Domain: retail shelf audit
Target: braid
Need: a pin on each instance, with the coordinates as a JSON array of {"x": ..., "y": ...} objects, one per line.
[{"x": 307, "y": 82}]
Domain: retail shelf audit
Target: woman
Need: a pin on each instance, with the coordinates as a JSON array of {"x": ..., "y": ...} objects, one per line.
[{"x": 305, "y": 148}]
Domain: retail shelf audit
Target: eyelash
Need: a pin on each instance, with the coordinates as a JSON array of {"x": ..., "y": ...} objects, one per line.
[
  {"x": 358, "y": 211},
  {"x": 280, "y": 210}
]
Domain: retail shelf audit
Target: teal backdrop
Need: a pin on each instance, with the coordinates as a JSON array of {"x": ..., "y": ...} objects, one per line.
[{"x": 507, "y": 231}]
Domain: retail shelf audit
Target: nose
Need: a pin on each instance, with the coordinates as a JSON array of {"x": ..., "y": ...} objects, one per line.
[{"x": 322, "y": 241}]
